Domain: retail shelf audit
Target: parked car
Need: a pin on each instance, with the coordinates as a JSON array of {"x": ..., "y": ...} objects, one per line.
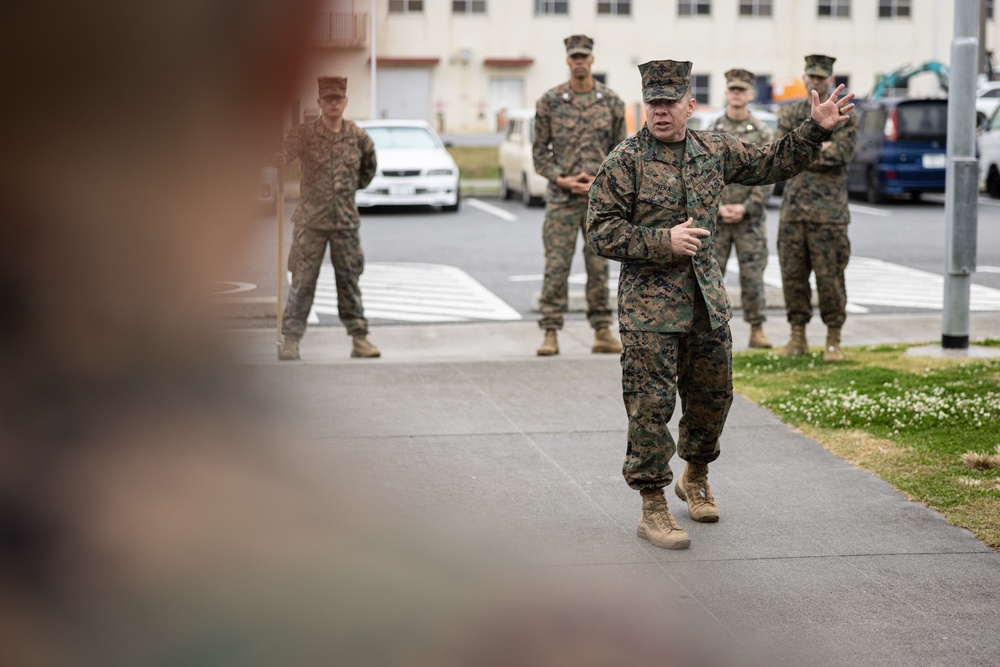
[
  {"x": 989, "y": 156},
  {"x": 414, "y": 168},
  {"x": 900, "y": 148},
  {"x": 987, "y": 100},
  {"x": 517, "y": 168}
]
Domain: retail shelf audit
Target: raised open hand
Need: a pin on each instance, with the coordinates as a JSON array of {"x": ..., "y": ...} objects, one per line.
[{"x": 833, "y": 111}]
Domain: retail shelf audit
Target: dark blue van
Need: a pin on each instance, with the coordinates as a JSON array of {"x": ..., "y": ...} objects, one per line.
[{"x": 900, "y": 149}]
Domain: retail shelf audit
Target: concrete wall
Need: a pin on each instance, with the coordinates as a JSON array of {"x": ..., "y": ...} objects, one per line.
[{"x": 460, "y": 95}]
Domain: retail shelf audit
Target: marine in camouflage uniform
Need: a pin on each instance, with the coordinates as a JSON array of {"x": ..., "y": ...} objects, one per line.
[
  {"x": 576, "y": 124},
  {"x": 812, "y": 232},
  {"x": 656, "y": 195},
  {"x": 335, "y": 163},
  {"x": 742, "y": 220}
]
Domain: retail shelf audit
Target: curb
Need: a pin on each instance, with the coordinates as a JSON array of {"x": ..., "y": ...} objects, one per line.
[
  {"x": 774, "y": 299},
  {"x": 247, "y": 307},
  {"x": 264, "y": 307}
]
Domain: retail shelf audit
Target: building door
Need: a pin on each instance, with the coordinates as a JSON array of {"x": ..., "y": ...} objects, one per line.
[
  {"x": 506, "y": 93},
  {"x": 404, "y": 92}
]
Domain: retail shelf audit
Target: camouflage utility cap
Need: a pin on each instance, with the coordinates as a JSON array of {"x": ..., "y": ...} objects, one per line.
[
  {"x": 739, "y": 78},
  {"x": 817, "y": 65},
  {"x": 332, "y": 86},
  {"x": 665, "y": 79},
  {"x": 576, "y": 44}
]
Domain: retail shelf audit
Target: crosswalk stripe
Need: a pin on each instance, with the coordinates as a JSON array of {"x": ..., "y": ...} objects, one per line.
[
  {"x": 875, "y": 282},
  {"x": 870, "y": 282},
  {"x": 410, "y": 292}
]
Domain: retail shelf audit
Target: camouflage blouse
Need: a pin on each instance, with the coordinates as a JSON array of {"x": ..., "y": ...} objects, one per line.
[
  {"x": 334, "y": 166},
  {"x": 635, "y": 201},
  {"x": 753, "y": 198},
  {"x": 574, "y": 133},
  {"x": 819, "y": 194}
]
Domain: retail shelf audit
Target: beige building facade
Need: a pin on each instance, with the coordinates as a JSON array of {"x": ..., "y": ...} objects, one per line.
[{"x": 460, "y": 64}]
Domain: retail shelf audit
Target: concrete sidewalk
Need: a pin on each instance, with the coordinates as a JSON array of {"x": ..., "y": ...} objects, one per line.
[{"x": 810, "y": 550}]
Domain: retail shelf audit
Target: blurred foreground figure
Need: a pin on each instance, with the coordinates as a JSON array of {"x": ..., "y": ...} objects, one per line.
[{"x": 145, "y": 518}]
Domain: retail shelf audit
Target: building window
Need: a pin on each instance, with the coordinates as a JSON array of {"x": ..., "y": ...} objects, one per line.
[
  {"x": 615, "y": 7},
  {"x": 468, "y": 6},
  {"x": 699, "y": 88},
  {"x": 543, "y": 7},
  {"x": 840, "y": 9},
  {"x": 844, "y": 79},
  {"x": 694, "y": 7},
  {"x": 762, "y": 88},
  {"x": 893, "y": 9},
  {"x": 755, "y": 7},
  {"x": 405, "y": 6}
]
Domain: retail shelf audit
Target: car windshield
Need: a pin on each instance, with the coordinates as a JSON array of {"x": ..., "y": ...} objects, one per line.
[
  {"x": 401, "y": 137},
  {"x": 922, "y": 119}
]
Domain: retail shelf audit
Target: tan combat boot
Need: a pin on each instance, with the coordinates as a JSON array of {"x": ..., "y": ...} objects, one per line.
[
  {"x": 605, "y": 343},
  {"x": 362, "y": 347},
  {"x": 550, "y": 345},
  {"x": 797, "y": 344},
  {"x": 657, "y": 524},
  {"x": 289, "y": 350},
  {"x": 693, "y": 488},
  {"x": 757, "y": 337},
  {"x": 832, "y": 350}
]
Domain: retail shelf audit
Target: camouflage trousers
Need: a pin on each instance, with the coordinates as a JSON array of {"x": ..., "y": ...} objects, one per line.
[
  {"x": 823, "y": 249},
  {"x": 564, "y": 222},
  {"x": 698, "y": 365},
  {"x": 304, "y": 260},
  {"x": 750, "y": 240}
]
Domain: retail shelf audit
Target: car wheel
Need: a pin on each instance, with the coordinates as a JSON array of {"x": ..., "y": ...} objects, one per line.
[
  {"x": 458, "y": 200},
  {"x": 993, "y": 183},
  {"x": 875, "y": 195},
  {"x": 504, "y": 192},
  {"x": 526, "y": 196},
  {"x": 525, "y": 192}
]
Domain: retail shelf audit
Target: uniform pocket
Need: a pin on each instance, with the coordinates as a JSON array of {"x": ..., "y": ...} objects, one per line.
[
  {"x": 663, "y": 190},
  {"x": 649, "y": 362}
]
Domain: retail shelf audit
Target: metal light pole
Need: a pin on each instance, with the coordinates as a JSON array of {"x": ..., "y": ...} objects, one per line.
[
  {"x": 374, "y": 81},
  {"x": 961, "y": 177}
]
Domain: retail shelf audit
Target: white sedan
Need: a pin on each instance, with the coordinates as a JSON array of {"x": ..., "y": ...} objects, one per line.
[{"x": 414, "y": 169}]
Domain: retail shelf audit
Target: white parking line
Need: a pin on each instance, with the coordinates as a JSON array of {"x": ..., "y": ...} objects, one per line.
[
  {"x": 868, "y": 210},
  {"x": 506, "y": 216}
]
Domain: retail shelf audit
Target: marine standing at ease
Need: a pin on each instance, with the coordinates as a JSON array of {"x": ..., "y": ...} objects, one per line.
[
  {"x": 338, "y": 157},
  {"x": 812, "y": 233},
  {"x": 576, "y": 124},
  {"x": 742, "y": 221},
  {"x": 654, "y": 201}
]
